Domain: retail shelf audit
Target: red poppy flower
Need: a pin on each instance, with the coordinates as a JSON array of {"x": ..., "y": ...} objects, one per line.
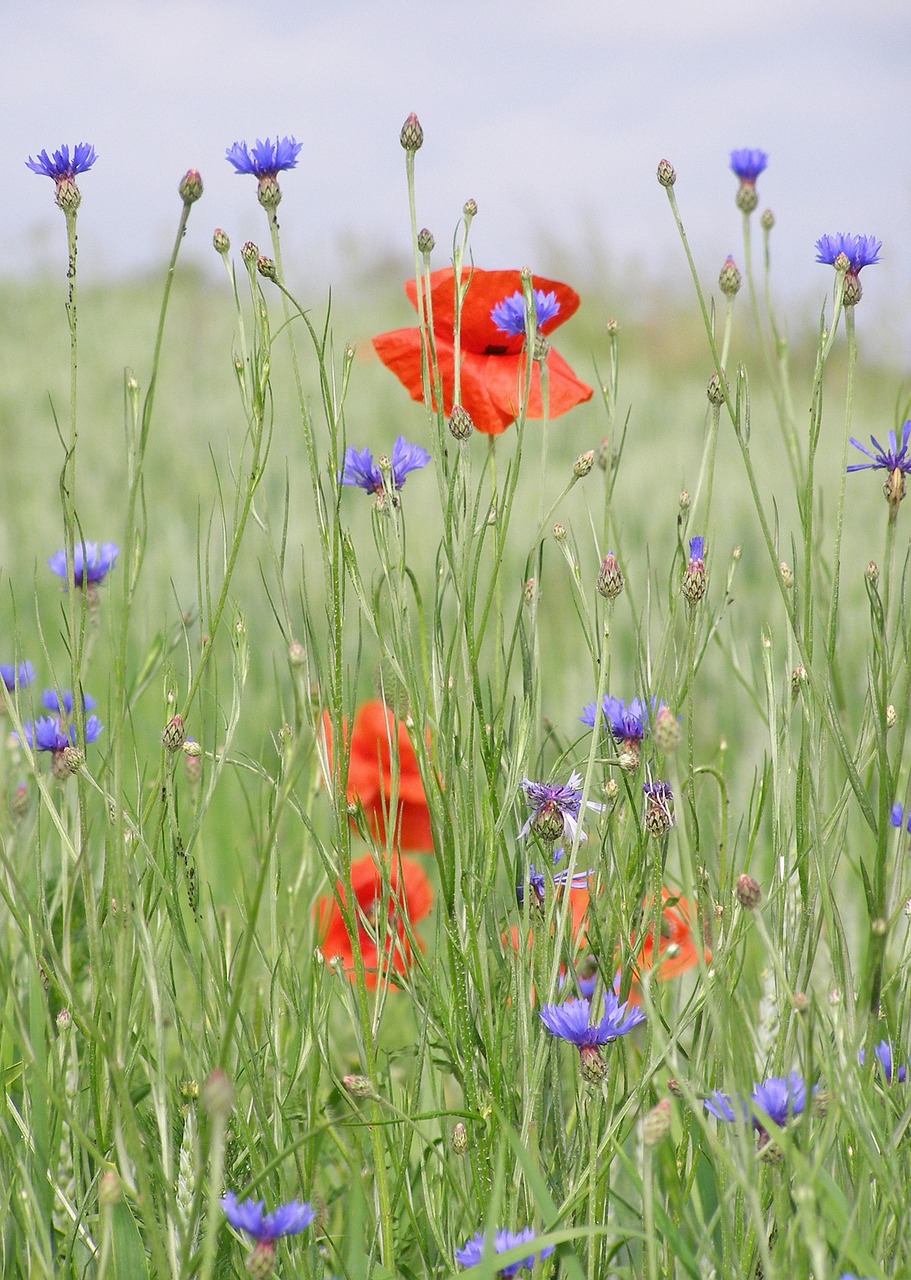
[
  {"x": 492, "y": 366},
  {"x": 370, "y": 775},
  {"x": 677, "y": 949},
  {"x": 410, "y": 897}
]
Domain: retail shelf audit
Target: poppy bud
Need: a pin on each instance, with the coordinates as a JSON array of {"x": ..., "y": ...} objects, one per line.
[
  {"x": 667, "y": 175},
  {"x": 190, "y": 187},
  {"x": 412, "y": 135}
]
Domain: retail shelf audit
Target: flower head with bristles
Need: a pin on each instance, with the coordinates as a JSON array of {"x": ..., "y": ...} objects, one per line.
[
  {"x": 63, "y": 168},
  {"x": 895, "y": 459},
  {"x": 861, "y": 251},
  {"x": 556, "y": 808}
]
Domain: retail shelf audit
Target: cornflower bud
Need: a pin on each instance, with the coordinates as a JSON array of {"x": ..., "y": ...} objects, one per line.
[
  {"x": 684, "y": 500},
  {"x": 748, "y": 892},
  {"x": 559, "y": 531},
  {"x": 541, "y": 350},
  {"x": 667, "y": 175},
  {"x": 426, "y": 241},
  {"x": 297, "y": 654},
  {"x": 611, "y": 790},
  {"x": 787, "y": 575},
  {"x": 73, "y": 759},
  {"x": 715, "y": 391},
  {"x": 798, "y": 675},
  {"x": 192, "y": 762},
  {"x": 220, "y": 242},
  {"x": 249, "y": 253},
  {"x": 460, "y": 423},
  {"x": 890, "y": 716},
  {"x": 359, "y": 1086},
  {"x": 659, "y": 816},
  {"x": 266, "y": 267},
  {"x": 729, "y": 278},
  {"x": 217, "y": 1096},
  {"x": 767, "y": 220},
  {"x": 872, "y": 573},
  {"x": 668, "y": 732},
  {"x": 656, "y": 1124},
  {"x": 412, "y": 135},
  {"x": 469, "y": 208},
  {"x": 190, "y": 187},
  {"x": 174, "y": 734},
  {"x": 610, "y": 578},
  {"x": 459, "y": 1139},
  {"x": 530, "y": 591},
  {"x": 583, "y": 464},
  {"x": 612, "y": 327},
  {"x": 694, "y": 578}
]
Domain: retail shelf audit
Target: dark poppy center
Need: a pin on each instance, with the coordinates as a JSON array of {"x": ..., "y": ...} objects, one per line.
[{"x": 492, "y": 349}]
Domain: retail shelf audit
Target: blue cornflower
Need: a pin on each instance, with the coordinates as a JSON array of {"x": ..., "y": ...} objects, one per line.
[
  {"x": 780, "y": 1098},
  {"x": 571, "y": 1021},
  {"x": 472, "y": 1251},
  {"x": 897, "y": 817},
  {"x": 47, "y": 733},
  {"x": 697, "y": 548},
  {"x": 891, "y": 459},
  {"x": 883, "y": 1054},
  {"x": 63, "y": 704},
  {"x": 694, "y": 578},
  {"x": 537, "y": 880},
  {"x": 250, "y": 1216},
  {"x": 264, "y": 159},
  {"x": 91, "y": 561},
  {"x": 748, "y": 163},
  {"x": 861, "y": 251},
  {"x": 555, "y": 808},
  {"x": 361, "y": 470},
  {"x": 509, "y": 315},
  {"x": 11, "y": 675},
  {"x": 625, "y": 722},
  {"x": 60, "y": 165}
]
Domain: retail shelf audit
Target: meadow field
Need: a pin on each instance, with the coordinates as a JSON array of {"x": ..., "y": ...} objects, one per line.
[{"x": 387, "y": 789}]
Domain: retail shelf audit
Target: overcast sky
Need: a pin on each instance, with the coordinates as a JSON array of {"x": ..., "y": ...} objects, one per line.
[{"x": 552, "y": 116}]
